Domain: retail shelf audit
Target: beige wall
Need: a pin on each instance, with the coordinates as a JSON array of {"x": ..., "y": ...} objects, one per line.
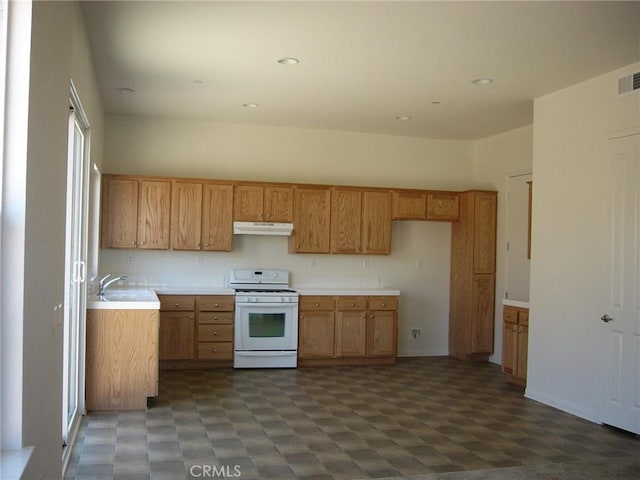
[
  {"x": 58, "y": 54},
  {"x": 202, "y": 149},
  {"x": 571, "y": 226},
  {"x": 495, "y": 159}
]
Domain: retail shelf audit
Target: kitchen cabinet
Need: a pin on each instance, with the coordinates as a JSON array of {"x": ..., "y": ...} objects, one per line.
[
  {"x": 215, "y": 327},
  {"x": 360, "y": 221},
  {"x": 439, "y": 206},
  {"x": 515, "y": 339},
  {"x": 442, "y": 206},
  {"x": 177, "y": 327},
  {"x": 347, "y": 330},
  {"x": 311, "y": 220},
  {"x": 201, "y": 216},
  {"x": 122, "y": 359},
  {"x": 409, "y": 205},
  {"x": 472, "y": 294},
  {"x": 316, "y": 327},
  {"x": 135, "y": 213},
  {"x": 257, "y": 203}
]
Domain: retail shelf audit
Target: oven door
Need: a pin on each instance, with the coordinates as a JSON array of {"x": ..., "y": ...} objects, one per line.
[{"x": 266, "y": 326}]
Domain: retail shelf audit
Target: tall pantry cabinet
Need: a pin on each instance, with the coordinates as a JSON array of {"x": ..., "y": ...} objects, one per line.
[{"x": 473, "y": 268}]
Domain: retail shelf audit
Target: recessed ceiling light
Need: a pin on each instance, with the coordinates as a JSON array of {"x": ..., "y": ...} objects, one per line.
[
  {"x": 125, "y": 90},
  {"x": 482, "y": 81},
  {"x": 288, "y": 61},
  {"x": 250, "y": 105},
  {"x": 403, "y": 117}
]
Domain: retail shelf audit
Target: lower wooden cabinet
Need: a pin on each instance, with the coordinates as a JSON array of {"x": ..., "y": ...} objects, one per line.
[
  {"x": 347, "y": 330},
  {"x": 122, "y": 359},
  {"x": 515, "y": 339},
  {"x": 196, "y": 328}
]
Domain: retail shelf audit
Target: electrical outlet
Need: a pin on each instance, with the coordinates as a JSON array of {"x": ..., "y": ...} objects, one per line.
[
  {"x": 365, "y": 263},
  {"x": 130, "y": 259},
  {"x": 312, "y": 262},
  {"x": 419, "y": 264},
  {"x": 200, "y": 259},
  {"x": 415, "y": 334}
]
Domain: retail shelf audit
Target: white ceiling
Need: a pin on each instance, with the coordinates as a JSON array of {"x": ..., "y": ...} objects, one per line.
[{"x": 361, "y": 63}]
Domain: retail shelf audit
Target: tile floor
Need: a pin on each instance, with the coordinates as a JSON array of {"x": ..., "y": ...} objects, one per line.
[{"x": 423, "y": 416}]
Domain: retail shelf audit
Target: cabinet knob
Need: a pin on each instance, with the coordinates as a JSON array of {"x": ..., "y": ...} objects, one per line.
[
  {"x": 215, "y": 350},
  {"x": 198, "y": 244},
  {"x": 215, "y": 333},
  {"x": 176, "y": 304},
  {"x": 216, "y": 305},
  {"x": 353, "y": 304},
  {"x": 133, "y": 243},
  {"x": 206, "y": 245},
  {"x": 191, "y": 317},
  {"x": 317, "y": 304},
  {"x": 142, "y": 242},
  {"x": 297, "y": 247},
  {"x": 384, "y": 304},
  {"x": 514, "y": 329},
  {"x": 215, "y": 318},
  {"x": 371, "y": 316},
  {"x": 364, "y": 315}
]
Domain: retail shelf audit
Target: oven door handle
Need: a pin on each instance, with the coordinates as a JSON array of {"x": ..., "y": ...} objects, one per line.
[
  {"x": 264, "y": 304},
  {"x": 266, "y": 353}
]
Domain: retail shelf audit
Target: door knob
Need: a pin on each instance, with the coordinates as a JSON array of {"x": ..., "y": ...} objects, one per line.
[{"x": 606, "y": 318}]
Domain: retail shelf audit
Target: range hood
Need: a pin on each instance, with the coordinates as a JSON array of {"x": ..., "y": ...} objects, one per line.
[{"x": 262, "y": 228}]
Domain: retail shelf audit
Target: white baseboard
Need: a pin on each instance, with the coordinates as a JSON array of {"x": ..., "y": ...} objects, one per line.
[{"x": 564, "y": 405}]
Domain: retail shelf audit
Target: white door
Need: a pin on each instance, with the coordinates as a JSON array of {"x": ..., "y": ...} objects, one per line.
[
  {"x": 621, "y": 321},
  {"x": 517, "y": 262}
]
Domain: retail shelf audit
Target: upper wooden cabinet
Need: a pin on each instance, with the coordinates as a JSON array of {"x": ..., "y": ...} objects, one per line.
[
  {"x": 472, "y": 296},
  {"x": 311, "y": 220},
  {"x": 409, "y": 205},
  {"x": 346, "y": 221},
  {"x": 360, "y": 221},
  {"x": 135, "y": 213},
  {"x": 376, "y": 222},
  {"x": 201, "y": 216},
  {"x": 442, "y": 207},
  {"x": 421, "y": 205},
  {"x": 256, "y": 203}
]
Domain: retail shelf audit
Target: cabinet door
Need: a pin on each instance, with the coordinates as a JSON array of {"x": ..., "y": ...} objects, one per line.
[
  {"x": 120, "y": 213},
  {"x": 484, "y": 233},
  {"x": 442, "y": 207},
  {"x": 376, "y": 223},
  {"x": 154, "y": 214},
  {"x": 351, "y": 328},
  {"x": 186, "y": 216},
  {"x": 382, "y": 333},
  {"x": 312, "y": 215},
  {"x": 346, "y": 221},
  {"x": 177, "y": 335},
  {"x": 278, "y": 204},
  {"x": 248, "y": 203},
  {"x": 509, "y": 347},
  {"x": 316, "y": 334},
  {"x": 409, "y": 206},
  {"x": 482, "y": 314},
  {"x": 217, "y": 217},
  {"x": 523, "y": 345}
]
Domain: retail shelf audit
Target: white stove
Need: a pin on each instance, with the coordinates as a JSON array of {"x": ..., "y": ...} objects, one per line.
[{"x": 266, "y": 319}]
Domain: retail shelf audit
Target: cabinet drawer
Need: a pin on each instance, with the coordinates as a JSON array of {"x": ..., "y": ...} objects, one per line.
[
  {"x": 383, "y": 303},
  {"x": 523, "y": 317},
  {"x": 215, "y": 317},
  {"x": 351, "y": 303},
  {"x": 215, "y": 350},
  {"x": 215, "y": 333},
  {"x": 216, "y": 303},
  {"x": 177, "y": 303},
  {"x": 316, "y": 303},
  {"x": 510, "y": 315}
]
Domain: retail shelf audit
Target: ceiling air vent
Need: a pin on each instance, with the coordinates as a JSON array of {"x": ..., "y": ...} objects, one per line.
[{"x": 629, "y": 84}]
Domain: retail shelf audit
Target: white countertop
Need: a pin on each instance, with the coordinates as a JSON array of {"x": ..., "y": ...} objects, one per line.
[
  {"x": 515, "y": 303},
  {"x": 195, "y": 291},
  {"x": 371, "y": 292},
  {"x": 132, "y": 299}
]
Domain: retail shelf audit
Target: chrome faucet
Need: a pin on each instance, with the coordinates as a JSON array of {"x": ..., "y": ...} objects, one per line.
[{"x": 105, "y": 282}]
